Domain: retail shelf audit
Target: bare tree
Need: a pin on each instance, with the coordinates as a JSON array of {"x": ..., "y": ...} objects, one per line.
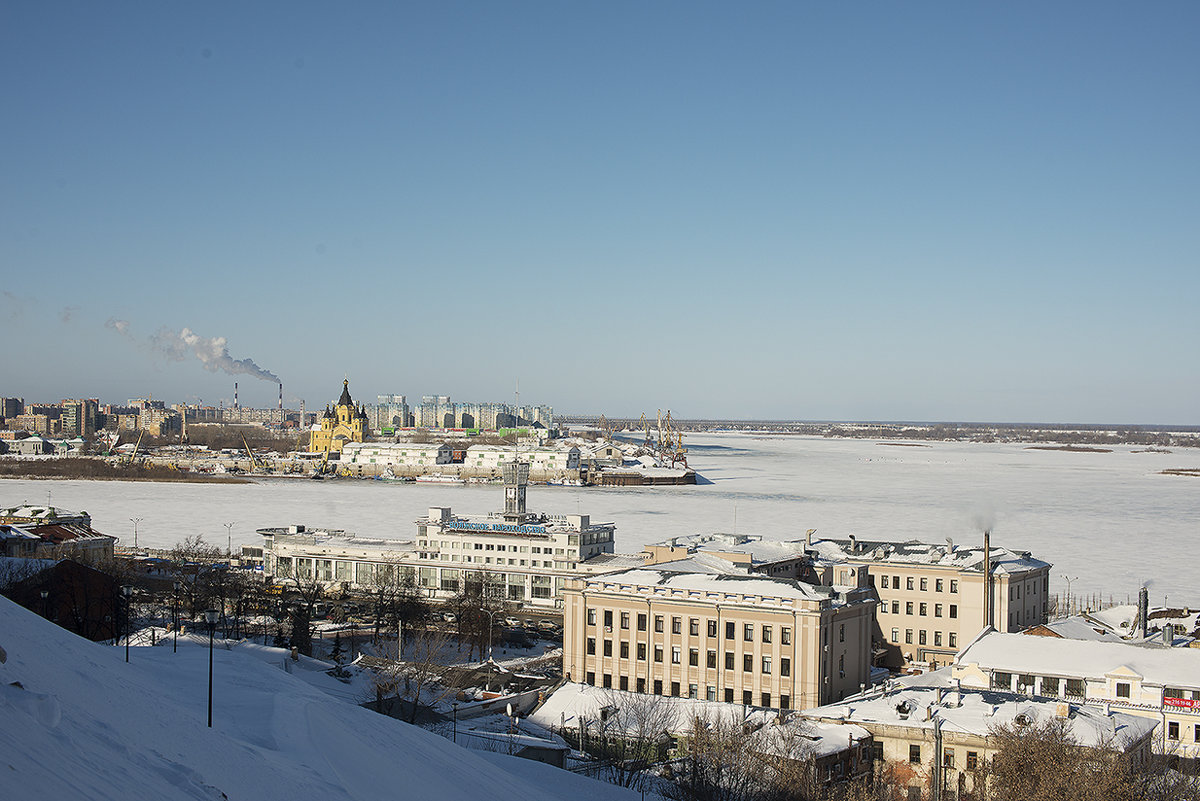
[
  {"x": 633, "y": 735},
  {"x": 718, "y": 765},
  {"x": 399, "y": 602},
  {"x": 306, "y": 591},
  {"x": 1042, "y": 761},
  {"x": 417, "y": 681},
  {"x": 476, "y": 607}
]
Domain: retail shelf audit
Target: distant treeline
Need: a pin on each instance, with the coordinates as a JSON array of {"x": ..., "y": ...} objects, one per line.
[
  {"x": 1064, "y": 433},
  {"x": 95, "y": 468}
]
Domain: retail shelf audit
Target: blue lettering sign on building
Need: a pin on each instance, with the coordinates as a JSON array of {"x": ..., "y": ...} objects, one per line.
[{"x": 498, "y": 528}]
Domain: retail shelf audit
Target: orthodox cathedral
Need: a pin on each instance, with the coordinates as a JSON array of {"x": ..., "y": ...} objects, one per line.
[{"x": 344, "y": 423}]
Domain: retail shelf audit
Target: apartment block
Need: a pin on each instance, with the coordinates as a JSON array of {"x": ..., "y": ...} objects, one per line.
[
  {"x": 705, "y": 628},
  {"x": 933, "y": 599}
]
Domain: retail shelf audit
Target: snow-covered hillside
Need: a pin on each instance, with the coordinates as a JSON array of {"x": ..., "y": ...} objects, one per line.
[{"x": 83, "y": 724}]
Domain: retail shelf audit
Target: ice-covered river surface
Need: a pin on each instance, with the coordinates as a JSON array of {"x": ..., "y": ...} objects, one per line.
[{"x": 1110, "y": 519}]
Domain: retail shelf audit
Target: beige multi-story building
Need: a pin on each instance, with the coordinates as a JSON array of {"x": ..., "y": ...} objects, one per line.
[
  {"x": 932, "y": 598},
  {"x": 705, "y": 628},
  {"x": 944, "y": 738},
  {"x": 1158, "y": 682}
]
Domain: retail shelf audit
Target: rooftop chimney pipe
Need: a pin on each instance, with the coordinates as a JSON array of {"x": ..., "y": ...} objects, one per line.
[{"x": 1143, "y": 612}]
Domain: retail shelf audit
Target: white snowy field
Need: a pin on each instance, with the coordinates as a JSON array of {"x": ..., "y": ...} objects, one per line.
[
  {"x": 77, "y": 722},
  {"x": 1110, "y": 519}
]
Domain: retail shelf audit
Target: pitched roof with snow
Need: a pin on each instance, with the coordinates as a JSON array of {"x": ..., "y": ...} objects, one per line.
[
  {"x": 915, "y": 552},
  {"x": 710, "y": 574},
  {"x": 637, "y": 713},
  {"x": 977, "y": 712},
  {"x": 1047, "y": 656}
]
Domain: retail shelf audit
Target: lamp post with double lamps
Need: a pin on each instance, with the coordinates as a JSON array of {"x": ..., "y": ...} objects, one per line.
[
  {"x": 175, "y": 618},
  {"x": 210, "y": 617},
  {"x": 127, "y": 592}
]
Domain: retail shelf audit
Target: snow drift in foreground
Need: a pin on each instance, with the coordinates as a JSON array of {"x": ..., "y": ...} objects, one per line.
[{"x": 76, "y": 721}]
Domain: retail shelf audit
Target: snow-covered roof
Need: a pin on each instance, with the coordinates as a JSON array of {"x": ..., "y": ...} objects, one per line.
[
  {"x": 610, "y": 562},
  {"x": 803, "y": 737},
  {"x": 637, "y": 713},
  {"x": 712, "y": 574},
  {"x": 977, "y": 712},
  {"x": 42, "y": 514},
  {"x": 753, "y": 545},
  {"x": 1122, "y": 619},
  {"x": 336, "y": 538},
  {"x": 1076, "y": 628},
  {"x": 915, "y": 552},
  {"x": 1048, "y": 656}
]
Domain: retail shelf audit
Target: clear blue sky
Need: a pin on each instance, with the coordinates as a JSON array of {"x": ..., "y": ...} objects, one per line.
[{"x": 797, "y": 210}]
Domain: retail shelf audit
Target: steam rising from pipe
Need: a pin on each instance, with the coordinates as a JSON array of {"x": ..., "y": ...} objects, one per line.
[
  {"x": 213, "y": 353},
  {"x": 120, "y": 326}
]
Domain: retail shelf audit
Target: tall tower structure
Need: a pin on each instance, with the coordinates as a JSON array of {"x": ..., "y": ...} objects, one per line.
[{"x": 516, "y": 479}]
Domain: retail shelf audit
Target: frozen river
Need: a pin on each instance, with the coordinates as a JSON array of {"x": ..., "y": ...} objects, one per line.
[{"x": 1110, "y": 519}]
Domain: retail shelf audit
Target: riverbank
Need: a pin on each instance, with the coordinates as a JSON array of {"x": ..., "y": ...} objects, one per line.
[{"x": 96, "y": 469}]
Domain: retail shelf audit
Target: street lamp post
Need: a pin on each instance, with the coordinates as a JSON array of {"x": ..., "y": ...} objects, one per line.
[
  {"x": 127, "y": 591},
  {"x": 175, "y": 618},
  {"x": 229, "y": 541},
  {"x": 45, "y": 613},
  {"x": 210, "y": 616},
  {"x": 135, "y": 521},
  {"x": 454, "y": 706},
  {"x": 491, "y": 617},
  {"x": 1069, "y": 580}
]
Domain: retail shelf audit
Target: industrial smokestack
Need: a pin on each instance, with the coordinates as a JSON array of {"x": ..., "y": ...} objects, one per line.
[
  {"x": 281, "y": 401},
  {"x": 235, "y": 397},
  {"x": 1143, "y": 611},
  {"x": 989, "y": 617}
]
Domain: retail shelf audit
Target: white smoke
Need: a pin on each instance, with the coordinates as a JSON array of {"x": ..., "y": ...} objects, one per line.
[
  {"x": 120, "y": 326},
  {"x": 984, "y": 518},
  {"x": 213, "y": 353}
]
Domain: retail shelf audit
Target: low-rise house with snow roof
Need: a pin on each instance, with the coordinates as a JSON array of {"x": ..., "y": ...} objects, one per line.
[
  {"x": 397, "y": 454},
  {"x": 654, "y": 727},
  {"x": 30, "y": 446},
  {"x": 1156, "y": 682},
  {"x": 46, "y": 532},
  {"x": 937, "y": 736},
  {"x": 542, "y": 460},
  {"x": 706, "y": 628}
]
